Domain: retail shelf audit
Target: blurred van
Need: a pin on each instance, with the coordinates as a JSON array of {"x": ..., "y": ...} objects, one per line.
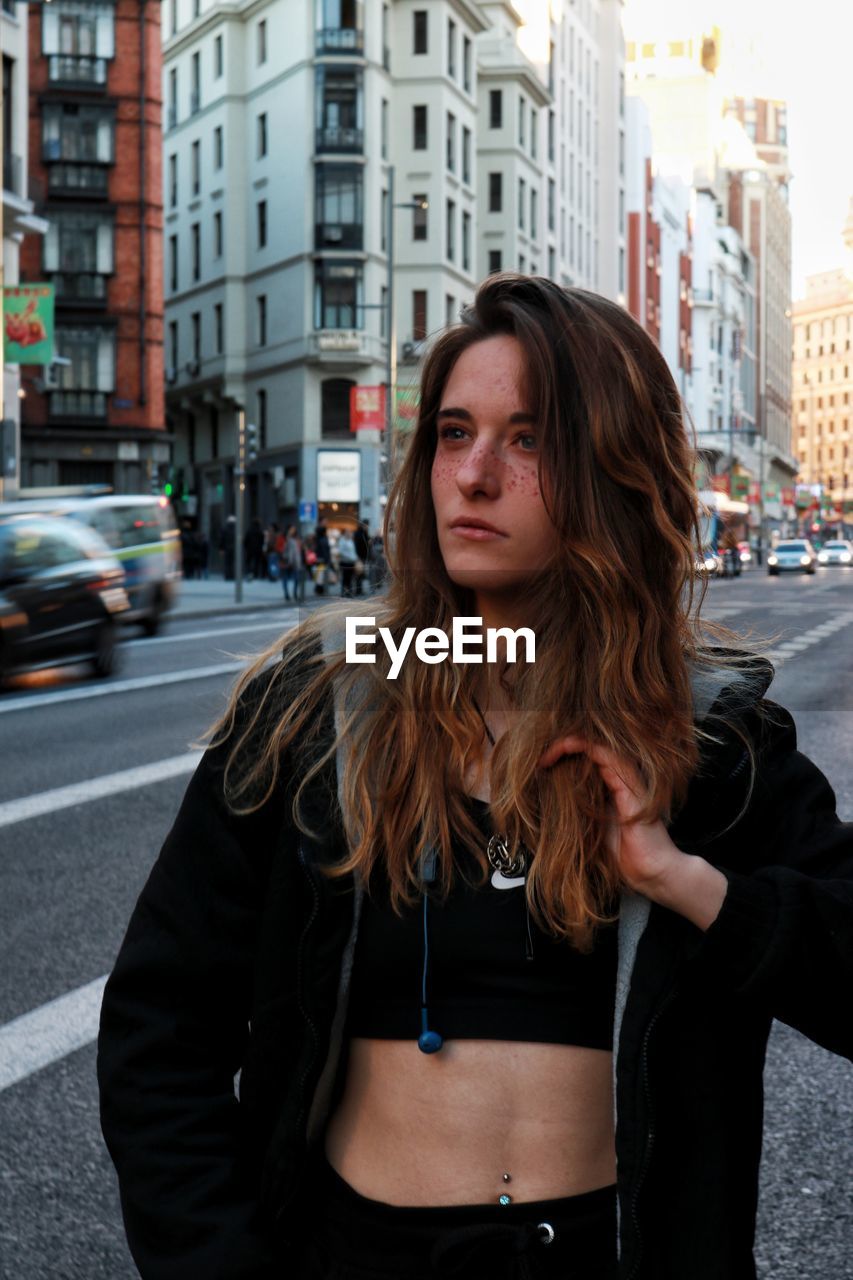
[{"x": 141, "y": 532}]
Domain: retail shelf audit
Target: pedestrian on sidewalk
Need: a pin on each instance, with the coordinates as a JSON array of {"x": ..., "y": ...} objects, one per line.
[
  {"x": 492, "y": 948},
  {"x": 253, "y": 547},
  {"x": 291, "y": 563},
  {"x": 361, "y": 538},
  {"x": 347, "y": 557}
]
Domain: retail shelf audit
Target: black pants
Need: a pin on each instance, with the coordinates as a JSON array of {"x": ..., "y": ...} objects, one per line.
[{"x": 353, "y": 1238}]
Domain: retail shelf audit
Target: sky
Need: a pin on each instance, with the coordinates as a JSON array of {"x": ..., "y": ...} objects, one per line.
[{"x": 801, "y": 54}]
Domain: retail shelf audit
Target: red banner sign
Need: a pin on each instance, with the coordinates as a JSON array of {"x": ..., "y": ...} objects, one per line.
[{"x": 366, "y": 408}]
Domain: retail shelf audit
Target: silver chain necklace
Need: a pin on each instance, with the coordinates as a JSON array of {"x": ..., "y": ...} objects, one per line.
[{"x": 509, "y": 866}]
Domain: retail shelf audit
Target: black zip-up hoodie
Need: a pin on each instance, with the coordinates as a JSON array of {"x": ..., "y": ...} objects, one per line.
[{"x": 221, "y": 1047}]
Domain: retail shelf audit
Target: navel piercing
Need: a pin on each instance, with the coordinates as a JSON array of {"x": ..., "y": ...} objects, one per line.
[
  {"x": 507, "y": 1177},
  {"x": 505, "y": 1199}
]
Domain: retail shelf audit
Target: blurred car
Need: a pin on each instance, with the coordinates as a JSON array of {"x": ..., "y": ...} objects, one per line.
[
  {"x": 745, "y": 552},
  {"x": 140, "y": 531},
  {"x": 61, "y": 595},
  {"x": 839, "y": 552},
  {"x": 730, "y": 562},
  {"x": 797, "y": 556}
]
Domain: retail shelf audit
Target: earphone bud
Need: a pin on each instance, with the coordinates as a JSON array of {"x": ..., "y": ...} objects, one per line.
[{"x": 428, "y": 1041}]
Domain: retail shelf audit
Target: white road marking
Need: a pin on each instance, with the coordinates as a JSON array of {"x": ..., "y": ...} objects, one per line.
[
  {"x": 36, "y": 1039},
  {"x": 109, "y": 784},
  {"x": 145, "y": 641},
  {"x": 798, "y": 644},
  {"x": 119, "y": 686}
]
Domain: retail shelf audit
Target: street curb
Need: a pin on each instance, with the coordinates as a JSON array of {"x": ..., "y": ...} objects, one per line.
[{"x": 228, "y": 610}]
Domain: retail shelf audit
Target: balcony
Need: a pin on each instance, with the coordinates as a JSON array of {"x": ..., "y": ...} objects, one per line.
[
  {"x": 13, "y": 173},
  {"x": 76, "y": 71},
  {"x": 87, "y": 288},
  {"x": 339, "y": 347},
  {"x": 338, "y": 235},
  {"x": 338, "y": 139},
  {"x": 78, "y": 404},
  {"x": 78, "y": 180},
  {"x": 339, "y": 40}
]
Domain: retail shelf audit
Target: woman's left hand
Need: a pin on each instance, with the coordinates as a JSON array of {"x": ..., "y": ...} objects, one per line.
[
  {"x": 649, "y": 861},
  {"x": 644, "y": 851}
]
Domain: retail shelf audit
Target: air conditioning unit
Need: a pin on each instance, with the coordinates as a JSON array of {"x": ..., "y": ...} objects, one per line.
[
  {"x": 193, "y": 367},
  {"x": 171, "y": 375},
  {"x": 412, "y": 350}
]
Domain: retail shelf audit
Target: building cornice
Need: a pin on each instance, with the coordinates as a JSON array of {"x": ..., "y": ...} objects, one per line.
[{"x": 469, "y": 12}]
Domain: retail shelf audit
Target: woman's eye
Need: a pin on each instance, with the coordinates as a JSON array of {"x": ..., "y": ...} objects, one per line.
[
  {"x": 527, "y": 442},
  {"x": 446, "y": 433}
]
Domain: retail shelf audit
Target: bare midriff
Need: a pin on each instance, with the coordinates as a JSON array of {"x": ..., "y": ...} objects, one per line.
[{"x": 443, "y": 1128}]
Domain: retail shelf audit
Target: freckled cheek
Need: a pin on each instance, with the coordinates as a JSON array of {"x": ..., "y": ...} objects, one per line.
[{"x": 523, "y": 481}]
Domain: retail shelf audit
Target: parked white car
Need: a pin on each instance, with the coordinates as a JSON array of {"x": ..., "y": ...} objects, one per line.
[
  {"x": 839, "y": 552},
  {"x": 792, "y": 557}
]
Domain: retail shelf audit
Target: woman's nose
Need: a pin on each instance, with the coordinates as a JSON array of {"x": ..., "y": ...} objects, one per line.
[{"x": 480, "y": 471}]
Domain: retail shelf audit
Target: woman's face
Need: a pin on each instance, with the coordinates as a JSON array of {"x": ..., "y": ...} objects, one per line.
[{"x": 486, "y": 469}]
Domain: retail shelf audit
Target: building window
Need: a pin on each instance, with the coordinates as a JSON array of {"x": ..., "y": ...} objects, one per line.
[
  {"x": 262, "y": 135},
  {"x": 218, "y": 335},
  {"x": 551, "y": 129},
  {"x": 383, "y": 128},
  {"x": 340, "y": 108},
  {"x": 173, "y": 263},
  {"x": 450, "y": 233},
  {"x": 496, "y": 192},
  {"x": 262, "y": 224},
  {"x": 77, "y": 252},
  {"x": 419, "y": 217},
  {"x": 521, "y": 114},
  {"x": 496, "y": 108},
  {"x": 217, "y": 57},
  {"x": 262, "y": 419},
  {"x": 451, "y": 48},
  {"x": 419, "y": 315},
  {"x": 195, "y": 329},
  {"x": 80, "y": 135},
  {"x": 495, "y": 260},
  {"x": 466, "y": 64},
  {"x": 173, "y": 181},
  {"x": 339, "y": 204},
  {"x": 217, "y": 234},
  {"x": 173, "y": 345},
  {"x": 195, "y": 83},
  {"x": 466, "y": 154},
  {"x": 451, "y": 142},
  {"x": 466, "y": 241},
  {"x": 419, "y": 31},
  {"x": 383, "y": 312},
  {"x": 172, "y": 99},
  {"x": 77, "y": 38},
  {"x": 262, "y": 319},
  {"x": 534, "y": 125},
  {"x": 419, "y": 128},
  {"x": 217, "y": 147},
  {"x": 262, "y": 41},
  {"x": 195, "y": 167},
  {"x": 551, "y": 205},
  {"x": 334, "y": 409},
  {"x": 173, "y": 17},
  {"x": 386, "y": 46},
  {"x": 338, "y": 295},
  {"x": 449, "y": 309},
  {"x": 534, "y": 213},
  {"x": 195, "y": 244},
  {"x": 521, "y": 197},
  {"x": 383, "y": 221},
  {"x": 196, "y": 8}
]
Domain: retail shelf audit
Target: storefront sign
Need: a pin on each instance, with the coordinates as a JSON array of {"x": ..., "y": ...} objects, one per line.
[
  {"x": 28, "y": 324},
  {"x": 339, "y": 475},
  {"x": 366, "y": 408}
]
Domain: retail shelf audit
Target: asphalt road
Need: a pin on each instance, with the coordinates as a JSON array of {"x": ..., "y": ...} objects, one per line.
[{"x": 72, "y": 863}]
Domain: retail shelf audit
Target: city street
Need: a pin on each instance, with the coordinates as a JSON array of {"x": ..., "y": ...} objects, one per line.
[{"x": 73, "y": 860}]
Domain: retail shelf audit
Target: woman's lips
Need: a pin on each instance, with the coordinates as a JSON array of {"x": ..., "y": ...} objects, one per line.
[{"x": 475, "y": 533}]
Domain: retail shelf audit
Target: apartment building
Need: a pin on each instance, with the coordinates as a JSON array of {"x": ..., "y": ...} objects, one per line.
[
  {"x": 285, "y": 122},
  {"x": 823, "y": 387},
  {"x": 19, "y": 219},
  {"x": 95, "y": 171}
]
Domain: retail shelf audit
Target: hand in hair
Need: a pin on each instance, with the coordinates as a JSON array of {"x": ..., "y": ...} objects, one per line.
[{"x": 649, "y": 861}]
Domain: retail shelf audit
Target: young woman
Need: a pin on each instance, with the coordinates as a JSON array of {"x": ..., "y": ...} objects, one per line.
[{"x": 470, "y": 971}]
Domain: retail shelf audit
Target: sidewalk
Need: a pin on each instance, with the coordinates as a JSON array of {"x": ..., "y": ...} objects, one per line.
[
  {"x": 213, "y": 596},
  {"x": 209, "y": 597}
]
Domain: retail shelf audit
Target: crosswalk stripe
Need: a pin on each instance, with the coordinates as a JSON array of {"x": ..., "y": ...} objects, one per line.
[{"x": 109, "y": 784}]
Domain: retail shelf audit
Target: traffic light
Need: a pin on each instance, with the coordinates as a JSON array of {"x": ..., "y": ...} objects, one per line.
[{"x": 251, "y": 442}]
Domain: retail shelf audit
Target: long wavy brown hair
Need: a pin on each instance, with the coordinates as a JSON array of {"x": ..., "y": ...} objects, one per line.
[{"x": 613, "y": 613}]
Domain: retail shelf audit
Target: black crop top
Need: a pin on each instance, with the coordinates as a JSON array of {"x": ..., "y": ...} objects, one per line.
[{"x": 480, "y": 983}]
